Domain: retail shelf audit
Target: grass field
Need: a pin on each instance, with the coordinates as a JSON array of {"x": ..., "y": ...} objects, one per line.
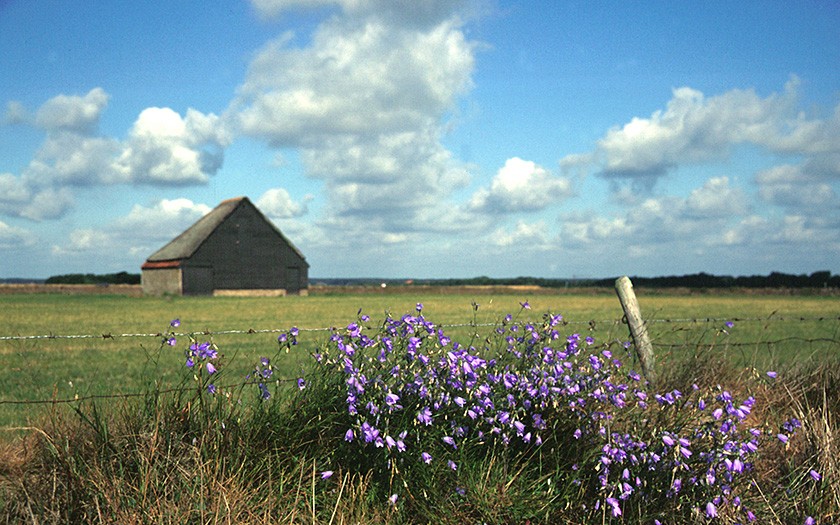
[
  {"x": 773, "y": 330},
  {"x": 201, "y": 456}
]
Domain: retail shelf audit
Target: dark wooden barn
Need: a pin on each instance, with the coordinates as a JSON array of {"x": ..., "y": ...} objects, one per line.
[{"x": 232, "y": 250}]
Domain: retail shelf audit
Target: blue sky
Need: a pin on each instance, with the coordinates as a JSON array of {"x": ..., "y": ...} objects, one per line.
[{"x": 445, "y": 138}]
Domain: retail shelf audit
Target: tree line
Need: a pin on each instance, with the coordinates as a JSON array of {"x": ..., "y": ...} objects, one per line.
[
  {"x": 820, "y": 279},
  {"x": 90, "y": 278}
]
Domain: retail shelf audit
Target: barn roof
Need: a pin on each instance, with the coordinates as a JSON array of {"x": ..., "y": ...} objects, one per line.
[{"x": 186, "y": 244}]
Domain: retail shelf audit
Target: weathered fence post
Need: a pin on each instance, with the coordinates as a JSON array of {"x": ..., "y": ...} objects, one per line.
[{"x": 638, "y": 328}]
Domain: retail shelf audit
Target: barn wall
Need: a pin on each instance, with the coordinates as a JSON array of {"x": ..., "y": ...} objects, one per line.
[
  {"x": 247, "y": 253},
  {"x": 198, "y": 280},
  {"x": 161, "y": 281}
]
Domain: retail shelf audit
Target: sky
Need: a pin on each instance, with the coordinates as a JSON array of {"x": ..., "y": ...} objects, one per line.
[{"x": 426, "y": 138}]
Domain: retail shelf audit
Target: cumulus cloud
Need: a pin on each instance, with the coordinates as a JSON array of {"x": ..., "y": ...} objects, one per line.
[
  {"x": 138, "y": 233},
  {"x": 800, "y": 185},
  {"x": 13, "y": 193},
  {"x": 529, "y": 236},
  {"x": 74, "y": 113},
  {"x": 716, "y": 199},
  {"x": 694, "y": 128},
  {"x": 521, "y": 185},
  {"x": 278, "y": 204},
  {"x": 162, "y": 148},
  {"x": 71, "y": 159},
  {"x": 697, "y": 219},
  {"x": 13, "y": 237},
  {"x": 49, "y": 203},
  {"x": 365, "y": 102},
  {"x": 796, "y": 233}
]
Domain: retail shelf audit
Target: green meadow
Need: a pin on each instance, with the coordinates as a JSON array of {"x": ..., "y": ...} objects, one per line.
[
  {"x": 102, "y": 422},
  {"x": 769, "y": 330}
]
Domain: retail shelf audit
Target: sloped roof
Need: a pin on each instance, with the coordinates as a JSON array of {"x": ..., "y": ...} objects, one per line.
[{"x": 186, "y": 244}]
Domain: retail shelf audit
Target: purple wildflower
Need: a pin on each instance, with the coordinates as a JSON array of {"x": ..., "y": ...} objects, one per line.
[
  {"x": 815, "y": 475},
  {"x": 175, "y": 323},
  {"x": 426, "y": 457},
  {"x": 711, "y": 510},
  {"x": 327, "y": 474},
  {"x": 391, "y": 399},
  {"x": 425, "y": 416},
  {"x": 301, "y": 383}
]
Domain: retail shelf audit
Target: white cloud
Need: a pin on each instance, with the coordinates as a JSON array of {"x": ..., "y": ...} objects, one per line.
[
  {"x": 521, "y": 185},
  {"x": 278, "y": 204},
  {"x": 696, "y": 220},
  {"x": 579, "y": 229},
  {"x": 50, "y": 203},
  {"x": 162, "y": 148},
  {"x": 697, "y": 129},
  {"x": 86, "y": 240},
  {"x": 13, "y": 193},
  {"x": 79, "y": 114},
  {"x": 716, "y": 199},
  {"x": 528, "y": 236},
  {"x": 139, "y": 233},
  {"x": 795, "y": 186},
  {"x": 367, "y": 78},
  {"x": 162, "y": 221},
  {"x": 365, "y": 102},
  {"x": 68, "y": 158},
  {"x": 796, "y": 234},
  {"x": 12, "y": 237}
]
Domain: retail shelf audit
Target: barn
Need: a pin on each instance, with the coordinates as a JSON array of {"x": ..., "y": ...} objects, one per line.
[{"x": 232, "y": 250}]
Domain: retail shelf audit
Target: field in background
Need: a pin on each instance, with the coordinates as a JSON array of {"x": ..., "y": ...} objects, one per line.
[{"x": 768, "y": 329}]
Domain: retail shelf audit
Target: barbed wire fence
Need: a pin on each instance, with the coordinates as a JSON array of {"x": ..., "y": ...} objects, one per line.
[
  {"x": 591, "y": 323},
  {"x": 693, "y": 333}
]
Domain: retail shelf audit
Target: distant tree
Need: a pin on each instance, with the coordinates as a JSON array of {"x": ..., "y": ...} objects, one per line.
[{"x": 89, "y": 278}]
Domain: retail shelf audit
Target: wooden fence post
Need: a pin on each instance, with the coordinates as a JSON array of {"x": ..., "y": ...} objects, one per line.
[{"x": 638, "y": 328}]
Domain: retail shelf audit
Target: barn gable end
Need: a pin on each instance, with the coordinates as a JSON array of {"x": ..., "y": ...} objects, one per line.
[{"x": 233, "y": 248}]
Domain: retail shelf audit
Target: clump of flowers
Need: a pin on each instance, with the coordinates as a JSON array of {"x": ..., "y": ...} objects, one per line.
[
  {"x": 413, "y": 398},
  {"x": 202, "y": 359}
]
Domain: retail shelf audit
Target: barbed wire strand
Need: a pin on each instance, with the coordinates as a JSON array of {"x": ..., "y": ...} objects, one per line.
[
  {"x": 251, "y": 331},
  {"x": 127, "y": 395}
]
